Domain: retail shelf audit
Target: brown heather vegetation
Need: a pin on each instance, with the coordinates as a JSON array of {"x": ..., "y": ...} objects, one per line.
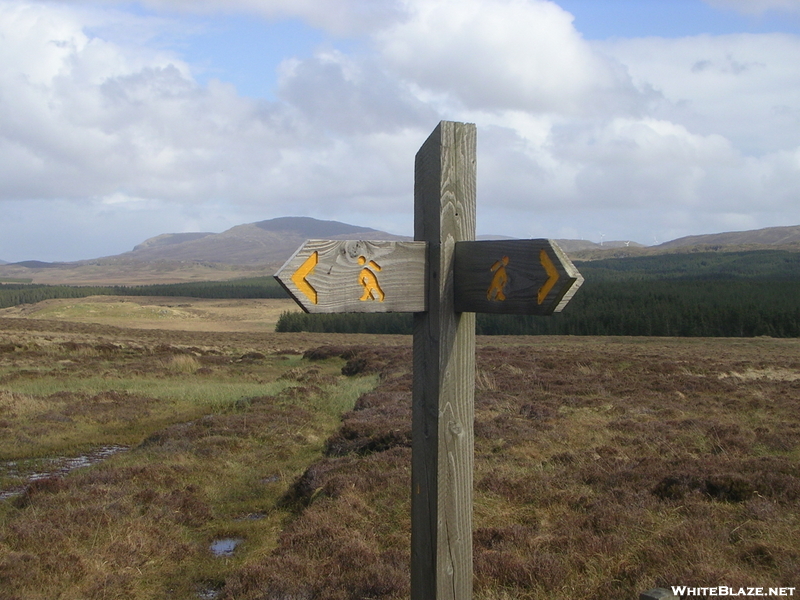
[{"x": 604, "y": 467}]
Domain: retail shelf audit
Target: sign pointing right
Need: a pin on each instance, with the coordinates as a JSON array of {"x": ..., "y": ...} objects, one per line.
[{"x": 518, "y": 277}]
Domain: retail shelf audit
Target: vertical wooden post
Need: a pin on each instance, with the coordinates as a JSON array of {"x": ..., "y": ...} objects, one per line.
[{"x": 444, "y": 373}]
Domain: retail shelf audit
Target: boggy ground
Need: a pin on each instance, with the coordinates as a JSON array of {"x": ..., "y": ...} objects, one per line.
[
  {"x": 604, "y": 466},
  {"x": 216, "y": 427}
]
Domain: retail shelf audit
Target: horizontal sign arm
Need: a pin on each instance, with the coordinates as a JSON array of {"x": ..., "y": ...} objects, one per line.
[
  {"x": 519, "y": 277},
  {"x": 335, "y": 276}
]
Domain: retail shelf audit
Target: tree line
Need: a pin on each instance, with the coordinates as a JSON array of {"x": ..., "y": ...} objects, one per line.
[
  {"x": 653, "y": 308},
  {"x": 707, "y": 294},
  {"x": 13, "y": 294},
  {"x": 713, "y": 294}
]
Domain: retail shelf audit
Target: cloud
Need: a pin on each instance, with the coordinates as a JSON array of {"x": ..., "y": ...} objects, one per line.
[
  {"x": 743, "y": 86},
  {"x": 504, "y": 54},
  {"x": 665, "y": 165},
  {"x": 350, "y": 95},
  {"x": 84, "y": 118},
  {"x": 61, "y": 110}
]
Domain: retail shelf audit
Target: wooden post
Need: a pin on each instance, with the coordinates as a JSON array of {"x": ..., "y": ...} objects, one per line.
[
  {"x": 443, "y": 277},
  {"x": 444, "y": 372}
]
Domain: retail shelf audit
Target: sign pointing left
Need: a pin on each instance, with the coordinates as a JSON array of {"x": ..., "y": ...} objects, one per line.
[
  {"x": 333, "y": 276},
  {"x": 299, "y": 277}
]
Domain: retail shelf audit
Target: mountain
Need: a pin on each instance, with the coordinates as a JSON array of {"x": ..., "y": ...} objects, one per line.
[
  {"x": 258, "y": 249},
  {"x": 569, "y": 246},
  {"x": 264, "y": 242},
  {"x": 38, "y": 264},
  {"x": 769, "y": 236}
]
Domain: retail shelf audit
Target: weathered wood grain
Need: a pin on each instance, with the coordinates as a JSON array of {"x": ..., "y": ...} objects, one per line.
[
  {"x": 511, "y": 277},
  {"x": 356, "y": 276},
  {"x": 444, "y": 373}
]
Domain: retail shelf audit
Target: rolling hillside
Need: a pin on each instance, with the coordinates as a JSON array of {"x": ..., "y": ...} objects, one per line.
[
  {"x": 250, "y": 250},
  {"x": 258, "y": 249},
  {"x": 770, "y": 236},
  {"x": 264, "y": 242}
]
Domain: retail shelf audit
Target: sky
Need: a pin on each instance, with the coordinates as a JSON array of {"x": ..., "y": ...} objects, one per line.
[{"x": 632, "y": 120}]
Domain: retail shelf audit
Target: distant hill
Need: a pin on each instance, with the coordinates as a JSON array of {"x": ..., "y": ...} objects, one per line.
[
  {"x": 256, "y": 249},
  {"x": 264, "y": 242},
  {"x": 769, "y": 236},
  {"x": 38, "y": 264},
  {"x": 570, "y": 246}
]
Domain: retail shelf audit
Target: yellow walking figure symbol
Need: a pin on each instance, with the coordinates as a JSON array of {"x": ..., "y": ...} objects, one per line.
[
  {"x": 499, "y": 281},
  {"x": 368, "y": 279}
]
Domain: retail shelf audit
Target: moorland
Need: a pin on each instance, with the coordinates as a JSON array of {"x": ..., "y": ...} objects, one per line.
[
  {"x": 149, "y": 454},
  {"x": 159, "y": 438}
]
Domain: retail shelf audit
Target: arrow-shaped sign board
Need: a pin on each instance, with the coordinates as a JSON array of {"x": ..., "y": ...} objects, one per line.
[
  {"x": 521, "y": 277},
  {"x": 329, "y": 276}
]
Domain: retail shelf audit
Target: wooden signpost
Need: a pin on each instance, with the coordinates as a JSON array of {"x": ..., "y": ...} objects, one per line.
[
  {"x": 518, "y": 277},
  {"x": 444, "y": 277},
  {"x": 356, "y": 276}
]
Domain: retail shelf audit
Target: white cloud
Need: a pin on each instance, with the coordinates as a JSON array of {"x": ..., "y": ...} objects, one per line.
[
  {"x": 505, "y": 54},
  {"x": 350, "y": 95},
  {"x": 745, "y": 87},
  {"x": 80, "y": 118}
]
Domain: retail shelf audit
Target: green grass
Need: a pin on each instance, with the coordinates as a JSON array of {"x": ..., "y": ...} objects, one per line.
[
  {"x": 217, "y": 435},
  {"x": 51, "y": 413},
  {"x": 183, "y": 393}
]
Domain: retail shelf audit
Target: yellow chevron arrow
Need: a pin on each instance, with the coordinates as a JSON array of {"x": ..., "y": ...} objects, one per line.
[
  {"x": 299, "y": 277},
  {"x": 552, "y": 275}
]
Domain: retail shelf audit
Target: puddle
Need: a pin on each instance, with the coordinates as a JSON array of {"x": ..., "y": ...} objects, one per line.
[
  {"x": 251, "y": 517},
  {"x": 209, "y": 593},
  {"x": 52, "y": 467},
  {"x": 225, "y": 546}
]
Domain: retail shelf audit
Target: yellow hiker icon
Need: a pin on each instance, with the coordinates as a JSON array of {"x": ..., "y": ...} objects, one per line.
[
  {"x": 368, "y": 279},
  {"x": 499, "y": 281}
]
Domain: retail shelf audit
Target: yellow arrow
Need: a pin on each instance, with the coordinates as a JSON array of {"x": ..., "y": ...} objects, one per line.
[
  {"x": 552, "y": 275},
  {"x": 299, "y": 277}
]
